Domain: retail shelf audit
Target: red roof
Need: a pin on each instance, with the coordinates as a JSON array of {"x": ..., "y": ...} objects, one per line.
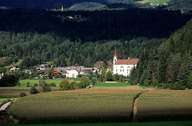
[{"x": 132, "y": 61}]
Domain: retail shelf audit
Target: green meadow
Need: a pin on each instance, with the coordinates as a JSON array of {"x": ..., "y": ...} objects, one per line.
[{"x": 31, "y": 82}]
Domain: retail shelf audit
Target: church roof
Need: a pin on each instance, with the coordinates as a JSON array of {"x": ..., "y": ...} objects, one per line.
[{"x": 131, "y": 61}]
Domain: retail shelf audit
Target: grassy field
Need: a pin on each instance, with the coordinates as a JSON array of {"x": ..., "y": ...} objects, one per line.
[
  {"x": 111, "y": 84},
  {"x": 13, "y": 91},
  {"x": 105, "y": 103},
  {"x": 2, "y": 99},
  {"x": 87, "y": 103},
  {"x": 177, "y": 123},
  {"x": 24, "y": 83},
  {"x": 165, "y": 104}
]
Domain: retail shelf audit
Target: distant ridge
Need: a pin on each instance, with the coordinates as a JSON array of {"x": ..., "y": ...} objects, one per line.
[
  {"x": 183, "y": 5},
  {"x": 88, "y": 6}
]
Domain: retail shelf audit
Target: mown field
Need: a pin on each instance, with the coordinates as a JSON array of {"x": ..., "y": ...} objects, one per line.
[
  {"x": 165, "y": 104},
  {"x": 78, "y": 104},
  {"x": 104, "y": 103}
]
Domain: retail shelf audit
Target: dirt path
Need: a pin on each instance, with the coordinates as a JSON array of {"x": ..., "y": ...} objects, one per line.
[{"x": 135, "y": 106}]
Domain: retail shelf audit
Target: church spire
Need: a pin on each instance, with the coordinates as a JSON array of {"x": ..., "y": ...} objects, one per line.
[{"x": 115, "y": 57}]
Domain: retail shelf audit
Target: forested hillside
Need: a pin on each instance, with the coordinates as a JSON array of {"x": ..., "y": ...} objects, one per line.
[
  {"x": 170, "y": 65},
  {"x": 31, "y": 49},
  {"x": 29, "y": 38}
]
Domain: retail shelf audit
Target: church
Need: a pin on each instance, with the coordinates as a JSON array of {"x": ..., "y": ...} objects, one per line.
[{"x": 124, "y": 66}]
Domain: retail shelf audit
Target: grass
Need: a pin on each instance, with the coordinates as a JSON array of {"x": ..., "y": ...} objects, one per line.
[
  {"x": 2, "y": 99},
  {"x": 176, "y": 123},
  {"x": 13, "y": 91},
  {"x": 104, "y": 103},
  {"x": 87, "y": 103},
  {"x": 110, "y": 84},
  {"x": 23, "y": 83},
  {"x": 165, "y": 104}
]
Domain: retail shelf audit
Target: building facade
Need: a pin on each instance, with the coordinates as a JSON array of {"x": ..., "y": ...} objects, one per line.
[{"x": 124, "y": 66}]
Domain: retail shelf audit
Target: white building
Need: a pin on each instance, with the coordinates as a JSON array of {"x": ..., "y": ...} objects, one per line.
[
  {"x": 72, "y": 73},
  {"x": 124, "y": 66}
]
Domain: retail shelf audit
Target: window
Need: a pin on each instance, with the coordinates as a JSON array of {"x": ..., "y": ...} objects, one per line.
[{"x": 121, "y": 69}]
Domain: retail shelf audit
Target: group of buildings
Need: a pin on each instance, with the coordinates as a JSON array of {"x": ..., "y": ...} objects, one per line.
[{"x": 122, "y": 67}]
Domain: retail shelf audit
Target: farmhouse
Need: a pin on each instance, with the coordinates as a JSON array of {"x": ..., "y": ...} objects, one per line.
[
  {"x": 124, "y": 66},
  {"x": 72, "y": 73}
]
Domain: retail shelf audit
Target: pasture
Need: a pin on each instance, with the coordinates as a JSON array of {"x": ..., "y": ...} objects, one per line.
[
  {"x": 28, "y": 82},
  {"x": 32, "y": 82}
]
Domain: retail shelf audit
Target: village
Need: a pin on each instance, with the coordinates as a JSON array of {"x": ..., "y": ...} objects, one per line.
[{"x": 122, "y": 67}]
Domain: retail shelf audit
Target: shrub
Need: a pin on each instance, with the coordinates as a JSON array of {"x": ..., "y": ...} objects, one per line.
[
  {"x": 33, "y": 90},
  {"x": 28, "y": 84},
  {"x": 109, "y": 76},
  {"x": 35, "y": 84},
  {"x": 22, "y": 94},
  {"x": 66, "y": 85},
  {"x": 84, "y": 82},
  {"x": 43, "y": 86},
  {"x": 53, "y": 84},
  {"x": 9, "y": 81}
]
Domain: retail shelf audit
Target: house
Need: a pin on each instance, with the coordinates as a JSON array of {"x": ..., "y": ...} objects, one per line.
[
  {"x": 124, "y": 66},
  {"x": 87, "y": 70},
  {"x": 72, "y": 73}
]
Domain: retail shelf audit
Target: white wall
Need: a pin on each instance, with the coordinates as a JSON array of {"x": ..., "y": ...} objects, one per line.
[
  {"x": 124, "y": 70},
  {"x": 72, "y": 74}
]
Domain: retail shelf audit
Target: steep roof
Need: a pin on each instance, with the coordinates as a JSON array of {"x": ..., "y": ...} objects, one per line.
[{"x": 132, "y": 61}]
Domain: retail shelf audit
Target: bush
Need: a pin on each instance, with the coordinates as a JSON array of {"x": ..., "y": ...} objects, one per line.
[
  {"x": 66, "y": 85},
  {"x": 84, "y": 82},
  {"x": 119, "y": 78},
  {"x": 9, "y": 81},
  {"x": 53, "y": 85},
  {"x": 33, "y": 90},
  {"x": 43, "y": 86},
  {"x": 28, "y": 84},
  {"x": 109, "y": 76},
  {"x": 23, "y": 94}
]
